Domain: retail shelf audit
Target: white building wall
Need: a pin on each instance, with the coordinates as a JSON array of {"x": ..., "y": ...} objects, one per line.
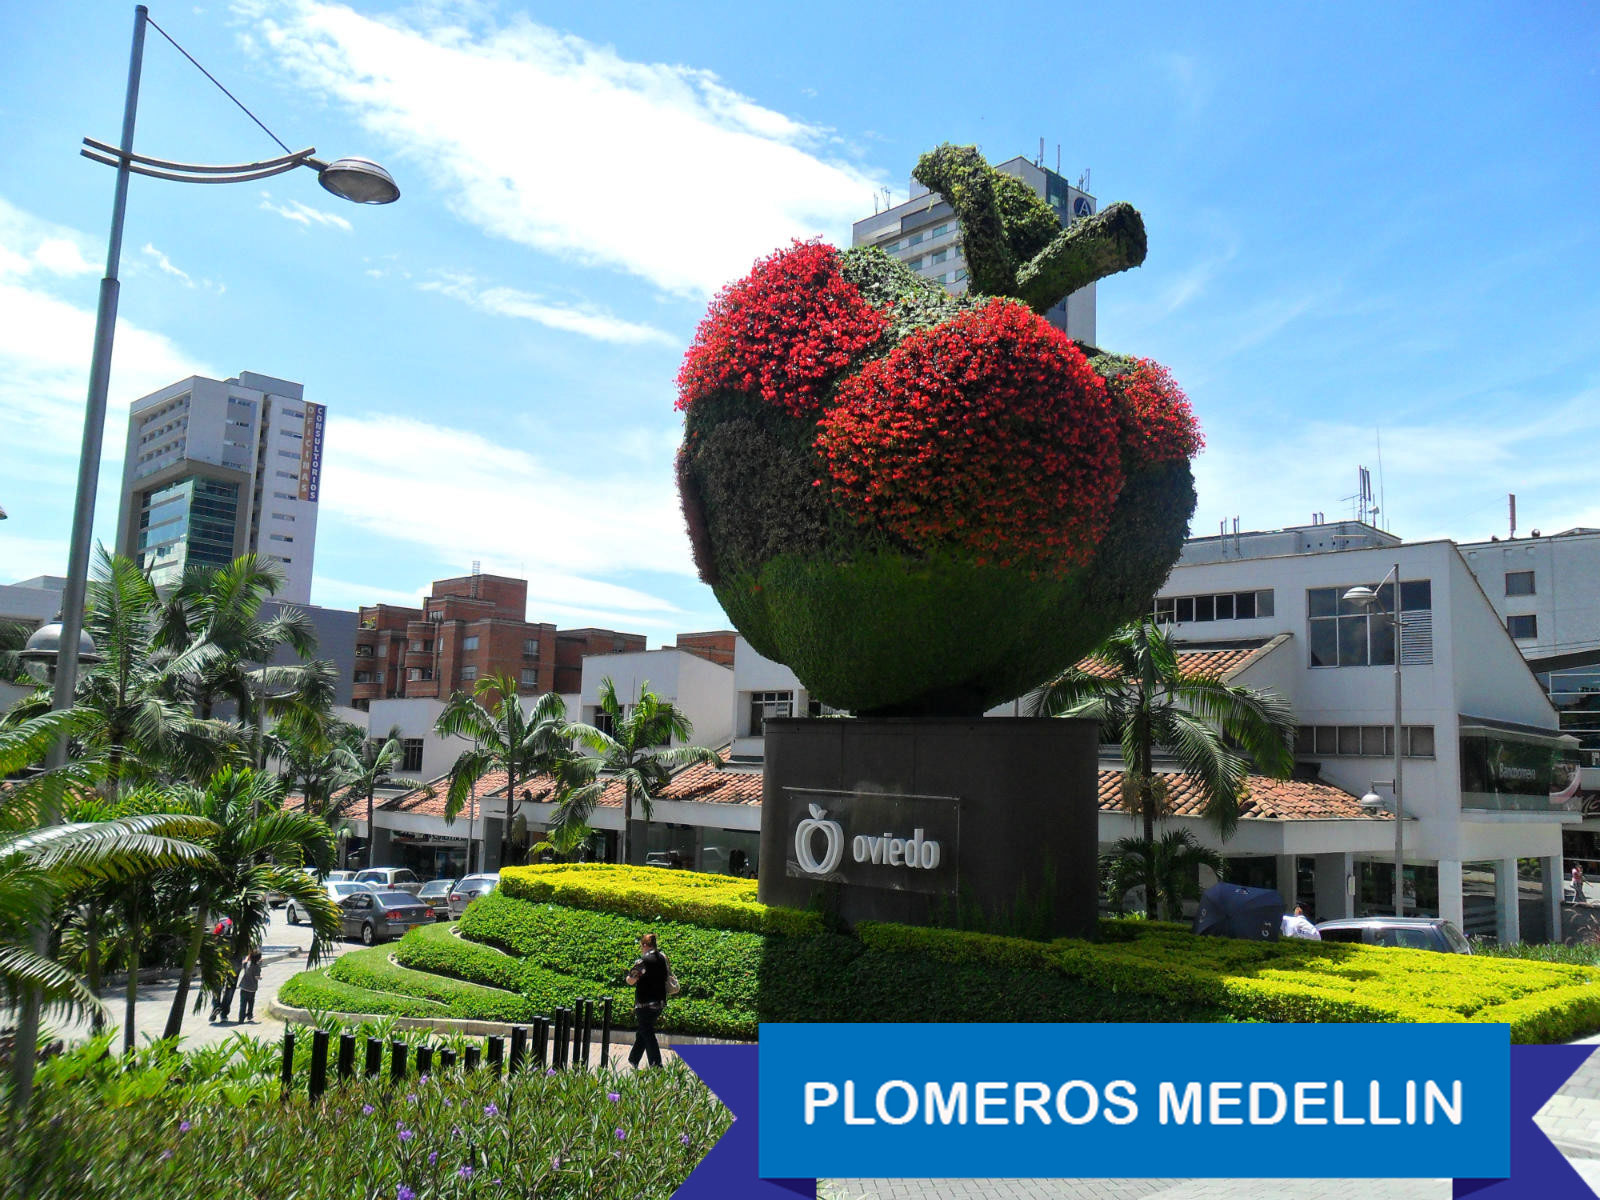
[
  {"x": 699, "y": 688},
  {"x": 1566, "y": 580}
]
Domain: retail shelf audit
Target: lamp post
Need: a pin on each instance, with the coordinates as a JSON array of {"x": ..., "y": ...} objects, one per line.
[
  {"x": 355, "y": 179},
  {"x": 1372, "y": 599}
]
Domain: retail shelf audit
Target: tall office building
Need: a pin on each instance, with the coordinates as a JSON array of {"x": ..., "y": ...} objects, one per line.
[
  {"x": 216, "y": 468},
  {"x": 924, "y": 234}
]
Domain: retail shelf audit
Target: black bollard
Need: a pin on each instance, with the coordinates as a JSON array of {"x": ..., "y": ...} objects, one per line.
[
  {"x": 397, "y": 1061},
  {"x": 287, "y": 1072},
  {"x": 541, "y": 1041},
  {"x": 447, "y": 1059},
  {"x": 470, "y": 1063},
  {"x": 585, "y": 1028},
  {"x": 374, "y": 1062},
  {"x": 424, "y": 1060},
  {"x": 319, "y": 1063},
  {"x": 558, "y": 1051},
  {"x": 605, "y": 1032},
  {"x": 347, "y": 1055},
  {"x": 497, "y": 1053},
  {"x": 519, "y": 1047}
]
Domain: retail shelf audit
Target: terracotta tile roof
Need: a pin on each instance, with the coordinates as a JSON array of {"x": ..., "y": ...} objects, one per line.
[
  {"x": 1265, "y": 799},
  {"x": 1218, "y": 660},
  {"x": 343, "y": 804},
  {"x": 429, "y": 799},
  {"x": 702, "y": 784}
]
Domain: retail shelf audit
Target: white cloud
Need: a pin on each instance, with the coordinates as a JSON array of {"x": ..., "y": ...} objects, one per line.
[
  {"x": 303, "y": 214},
  {"x": 29, "y": 243},
  {"x": 587, "y": 320},
  {"x": 560, "y": 144},
  {"x": 165, "y": 264},
  {"x": 463, "y": 495}
]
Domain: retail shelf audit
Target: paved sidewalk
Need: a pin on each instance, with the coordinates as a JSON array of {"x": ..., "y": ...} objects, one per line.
[{"x": 286, "y": 944}]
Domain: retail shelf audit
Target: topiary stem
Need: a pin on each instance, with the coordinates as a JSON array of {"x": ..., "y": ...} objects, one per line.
[{"x": 1089, "y": 249}]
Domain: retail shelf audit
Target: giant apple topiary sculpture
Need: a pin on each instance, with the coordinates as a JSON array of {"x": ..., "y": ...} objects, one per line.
[{"x": 926, "y": 504}]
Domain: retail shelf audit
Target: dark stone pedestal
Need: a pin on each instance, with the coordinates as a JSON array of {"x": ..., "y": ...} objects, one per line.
[{"x": 913, "y": 819}]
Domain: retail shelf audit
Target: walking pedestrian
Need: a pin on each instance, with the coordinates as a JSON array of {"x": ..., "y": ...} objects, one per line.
[
  {"x": 1577, "y": 883},
  {"x": 249, "y": 983},
  {"x": 652, "y": 981}
]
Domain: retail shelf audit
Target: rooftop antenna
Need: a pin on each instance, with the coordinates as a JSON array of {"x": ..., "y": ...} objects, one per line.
[
  {"x": 1039, "y": 162},
  {"x": 1237, "y": 549},
  {"x": 1383, "y": 499},
  {"x": 874, "y": 203},
  {"x": 1058, "y": 158},
  {"x": 1083, "y": 181},
  {"x": 1511, "y": 503},
  {"x": 887, "y": 203},
  {"x": 1222, "y": 535},
  {"x": 477, "y": 570}
]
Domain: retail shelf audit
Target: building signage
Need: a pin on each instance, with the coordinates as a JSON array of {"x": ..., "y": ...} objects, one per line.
[
  {"x": 311, "y": 452},
  {"x": 874, "y": 839}
]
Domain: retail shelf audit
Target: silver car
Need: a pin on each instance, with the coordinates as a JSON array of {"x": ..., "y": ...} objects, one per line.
[
  {"x": 336, "y": 892},
  {"x": 391, "y": 879},
  {"x": 378, "y": 916},
  {"x": 436, "y": 895},
  {"x": 469, "y": 889}
]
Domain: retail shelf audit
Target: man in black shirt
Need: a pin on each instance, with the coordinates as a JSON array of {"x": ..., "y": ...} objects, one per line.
[{"x": 648, "y": 978}]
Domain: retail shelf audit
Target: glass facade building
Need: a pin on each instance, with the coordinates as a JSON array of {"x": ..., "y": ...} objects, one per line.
[{"x": 192, "y": 522}]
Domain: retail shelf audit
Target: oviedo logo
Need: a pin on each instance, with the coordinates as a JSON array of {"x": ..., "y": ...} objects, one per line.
[
  {"x": 804, "y": 835},
  {"x": 916, "y": 852}
]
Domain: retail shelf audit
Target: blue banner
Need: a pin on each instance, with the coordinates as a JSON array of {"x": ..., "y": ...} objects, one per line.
[{"x": 1119, "y": 1101}]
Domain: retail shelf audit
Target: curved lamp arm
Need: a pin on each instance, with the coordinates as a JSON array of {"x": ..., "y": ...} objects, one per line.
[{"x": 355, "y": 179}]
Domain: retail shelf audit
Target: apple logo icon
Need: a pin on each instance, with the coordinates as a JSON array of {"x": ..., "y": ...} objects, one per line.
[{"x": 803, "y": 838}]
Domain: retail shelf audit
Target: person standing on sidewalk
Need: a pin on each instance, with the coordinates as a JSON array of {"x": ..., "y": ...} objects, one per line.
[
  {"x": 649, "y": 977},
  {"x": 249, "y": 982},
  {"x": 1577, "y": 883}
]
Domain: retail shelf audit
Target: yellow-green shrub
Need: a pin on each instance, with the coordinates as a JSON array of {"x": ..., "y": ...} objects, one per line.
[{"x": 651, "y": 893}]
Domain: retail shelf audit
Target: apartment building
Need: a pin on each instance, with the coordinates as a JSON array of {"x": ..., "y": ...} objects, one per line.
[{"x": 216, "y": 468}]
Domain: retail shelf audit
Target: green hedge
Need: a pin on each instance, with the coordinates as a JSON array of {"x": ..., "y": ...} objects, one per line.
[
  {"x": 548, "y": 954},
  {"x": 655, "y": 893}
]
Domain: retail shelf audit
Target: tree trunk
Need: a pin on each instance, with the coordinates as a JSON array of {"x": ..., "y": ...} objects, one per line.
[
  {"x": 190, "y": 958},
  {"x": 371, "y": 832},
  {"x": 92, "y": 974},
  {"x": 1147, "y": 803},
  {"x": 627, "y": 820},
  {"x": 511, "y": 807},
  {"x": 131, "y": 992}
]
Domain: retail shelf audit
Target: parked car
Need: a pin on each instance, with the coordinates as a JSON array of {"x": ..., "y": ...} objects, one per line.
[
  {"x": 336, "y": 890},
  {"x": 1414, "y": 933},
  {"x": 391, "y": 879},
  {"x": 339, "y": 876},
  {"x": 469, "y": 889},
  {"x": 378, "y": 916},
  {"x": 436, "y": 895}
]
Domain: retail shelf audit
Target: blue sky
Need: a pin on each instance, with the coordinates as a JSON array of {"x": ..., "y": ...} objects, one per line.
[{"x": 1366, "y": 218}]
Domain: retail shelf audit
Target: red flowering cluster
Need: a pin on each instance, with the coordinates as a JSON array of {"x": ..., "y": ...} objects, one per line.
[
  {"x": 783, "y": 331},
  {"x": 1157, "y": 423},
  {"x": 990, "y": 432}
]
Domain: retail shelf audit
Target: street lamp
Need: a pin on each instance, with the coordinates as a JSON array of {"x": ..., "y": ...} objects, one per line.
[
  {"x": 1371, "y": 599},
  {"x": 43, "y": 651},
  {"x": 355, "y": 179}
]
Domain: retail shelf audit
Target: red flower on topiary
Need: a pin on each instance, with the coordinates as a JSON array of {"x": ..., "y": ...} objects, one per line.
[
  {"x": 990, "y": 433},
  {"x": 785, "y": 332},
  {"x": 1157, "y": 422}
]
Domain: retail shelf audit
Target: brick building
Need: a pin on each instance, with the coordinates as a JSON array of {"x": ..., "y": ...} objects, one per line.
[
  {"x": 716, "y": 645},
  {"x": 468, "y": 628}
]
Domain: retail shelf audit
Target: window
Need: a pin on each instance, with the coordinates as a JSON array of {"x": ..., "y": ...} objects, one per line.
[
  {"x": 914, "y": 262},
  {"x": 766, "y": 705},
  {"x": 282, "y": 537},
  {"x": 470, "y": 642},
  {"x": 411, "y": 754},
  {"x": 363, "y": 676},
  {"x": 1526, "y": 626},
  {"x": 1222, "y": 606},
  {"x": 1519, "y": 583},
  {"x": 289, "y": 475},
  {"x": 468, "y": 674},
  {"x": 530, "y": 677},
  {"x": 419, "y": 674},
  {"x": 1345, "y": 634},
  {"x": 380, "y": 676},
  {"x": 940, "y": 230},
  {"x": 288, "y": 454},
  {"x": 938, "y": 256},
  {"x": 363, "y": 651},
  {"x": 530, "y": 647},
  {"x": 421, "y": 646},
  {"x": 1360, "y": 741},
  {"x": 278, "y": 516},
  {"x": 285, "y": 496}
]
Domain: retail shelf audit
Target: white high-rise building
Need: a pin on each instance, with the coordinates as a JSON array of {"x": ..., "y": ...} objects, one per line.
[
  {"x": 216, "y": 468},
  {"x": 924, "y": 234}
]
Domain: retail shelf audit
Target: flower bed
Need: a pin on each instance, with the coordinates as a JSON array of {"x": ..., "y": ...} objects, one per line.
[
  {"x": 735, "y": 975},
  {"x": 209, "y": 1123}
]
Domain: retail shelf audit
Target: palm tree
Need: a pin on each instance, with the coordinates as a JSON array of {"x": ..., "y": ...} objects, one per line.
[
  {"x": 369, "y": 766},
  {"x": 638, "y": 750},
  {"x": 257, "y": 850},
  {"x": 1167, "y": 868},
  {"x": 1143, "y": 698},
  {"x": 221, "y": 608},
  {"x": 522, "y": 743}
]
